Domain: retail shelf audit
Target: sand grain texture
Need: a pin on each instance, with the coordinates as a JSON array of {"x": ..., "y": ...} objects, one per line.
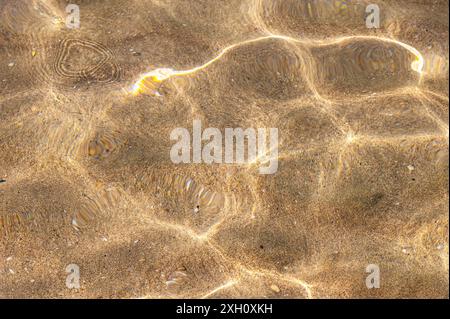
[{"x": 86, "y": 176}]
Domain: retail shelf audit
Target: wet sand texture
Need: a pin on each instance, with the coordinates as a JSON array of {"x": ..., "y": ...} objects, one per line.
[{"x": 86, "y": 177}]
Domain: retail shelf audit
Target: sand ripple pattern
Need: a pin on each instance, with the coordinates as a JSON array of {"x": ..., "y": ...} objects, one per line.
[{"x": 102, "y": 70}]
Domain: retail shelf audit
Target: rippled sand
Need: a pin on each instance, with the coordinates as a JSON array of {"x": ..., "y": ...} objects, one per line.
[{"x": 86, "y": 176}]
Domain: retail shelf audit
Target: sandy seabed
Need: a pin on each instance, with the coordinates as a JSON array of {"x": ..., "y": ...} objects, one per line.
[{"x": 86, "y": 177}]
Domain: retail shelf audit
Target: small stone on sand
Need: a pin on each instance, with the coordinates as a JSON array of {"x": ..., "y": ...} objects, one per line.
[{"x": 275, "y": 288}]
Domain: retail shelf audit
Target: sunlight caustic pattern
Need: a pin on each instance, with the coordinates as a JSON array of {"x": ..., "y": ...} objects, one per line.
[
  {"x": 86, "y": 177},
  {"x": 162, "y": 74}
]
